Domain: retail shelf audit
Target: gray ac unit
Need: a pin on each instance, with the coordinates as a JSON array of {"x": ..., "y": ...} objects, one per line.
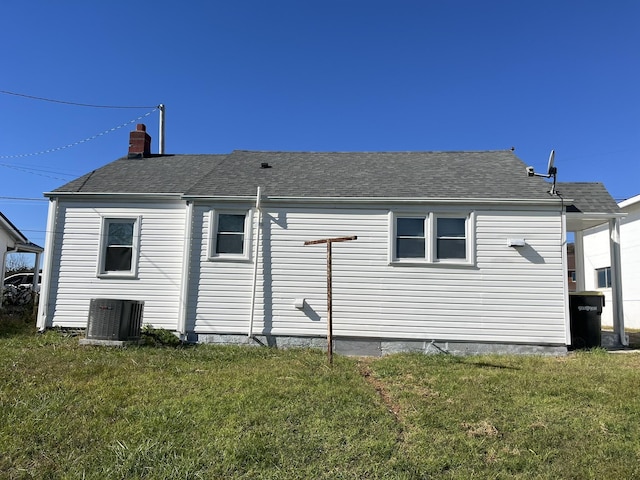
[{"x": 111, "y": 319}]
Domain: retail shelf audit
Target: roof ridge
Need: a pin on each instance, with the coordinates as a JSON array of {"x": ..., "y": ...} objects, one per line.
[{"x": 372, "y": 151}]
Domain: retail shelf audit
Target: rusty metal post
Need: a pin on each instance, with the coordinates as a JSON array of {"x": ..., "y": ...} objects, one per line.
[
  {"x": 329, "y": 241},
  {"x": 329, "y": 307}
]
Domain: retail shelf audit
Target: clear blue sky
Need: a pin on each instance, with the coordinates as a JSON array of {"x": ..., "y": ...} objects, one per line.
[{"x": 329, "y": 75}]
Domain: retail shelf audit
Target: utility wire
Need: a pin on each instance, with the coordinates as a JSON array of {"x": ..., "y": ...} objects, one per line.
[
  {"x": 75, "y": 143},
  {"x": 25, "y": 199},
  {"x": 69, "y": 103},
  {"x": 40, "y": 170},
  {"x": 35, "y": 172}
]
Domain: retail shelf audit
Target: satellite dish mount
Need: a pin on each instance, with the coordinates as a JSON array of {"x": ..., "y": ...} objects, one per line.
[{"x": 552, "y": 172}]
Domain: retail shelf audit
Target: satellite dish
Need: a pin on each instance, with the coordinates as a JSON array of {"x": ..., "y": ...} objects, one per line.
[{"x": 551, "y": 170}]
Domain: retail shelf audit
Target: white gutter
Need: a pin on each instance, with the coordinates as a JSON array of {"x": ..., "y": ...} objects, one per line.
[
  {"x": 383, "y": 200},
  {"x": 186, "y": 270},
  {"x": 117, "y": 195},
  {"x": 255, "y": 264},
  {"x": 43, "y": 305}
]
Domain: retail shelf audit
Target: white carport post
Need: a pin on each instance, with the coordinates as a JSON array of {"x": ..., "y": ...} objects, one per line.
[
  {"x": 578, "y": 242},
  {"x": 616, "y": 280}
]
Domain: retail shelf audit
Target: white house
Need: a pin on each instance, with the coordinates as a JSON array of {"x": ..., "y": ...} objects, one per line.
[
  {"x": 460, "y": 251},
  {"x": 597, "y": 263},
  {"x": 13, "y": 241}
]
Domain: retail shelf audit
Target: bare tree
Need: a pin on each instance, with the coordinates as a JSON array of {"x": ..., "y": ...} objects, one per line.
[{"x": 17, "y": 263}]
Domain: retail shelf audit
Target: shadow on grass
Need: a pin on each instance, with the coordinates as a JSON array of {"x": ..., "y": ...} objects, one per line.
[{"x": 493, "y": 365}]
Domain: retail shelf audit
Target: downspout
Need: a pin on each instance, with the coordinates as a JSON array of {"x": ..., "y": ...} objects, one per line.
[
  {"x": 565, "y": 283},
  {"x": 255, "y": 264},
  {"x": 186, "y": 270},
  {"x": 52, "y": 225}
]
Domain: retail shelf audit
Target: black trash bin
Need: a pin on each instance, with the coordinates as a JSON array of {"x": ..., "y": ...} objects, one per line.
[{"x": 585, "y": 312}]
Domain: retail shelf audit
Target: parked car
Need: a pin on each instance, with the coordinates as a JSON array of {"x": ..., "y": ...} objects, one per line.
[{"x": 22, "y": 280}]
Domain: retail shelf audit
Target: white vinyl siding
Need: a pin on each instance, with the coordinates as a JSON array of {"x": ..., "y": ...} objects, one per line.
[
  {"x": 219, "y": 291},
  {"x": 76, "y": 257},
  {"x": 510, "y": 295},
  {"x": 507, "y": 294}
]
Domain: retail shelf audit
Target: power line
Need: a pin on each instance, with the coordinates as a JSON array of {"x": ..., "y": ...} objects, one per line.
[
  {"x": 25, "y": 198},
  {"x": 32, "y": 97},
  {"x": 13, "y": 165},
  {"x": 34, "y": 171},
  {"x": 51, "y": 150}
]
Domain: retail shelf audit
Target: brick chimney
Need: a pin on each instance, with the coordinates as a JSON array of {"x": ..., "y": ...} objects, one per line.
[{"x": 139, "y": 142}]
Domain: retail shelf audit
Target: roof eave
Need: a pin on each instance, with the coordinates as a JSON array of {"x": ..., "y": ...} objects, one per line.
[
  {"x": 118, "y": 195},
  {"x": 378, "y": 200},
  {"x": 12, "y": 229}
]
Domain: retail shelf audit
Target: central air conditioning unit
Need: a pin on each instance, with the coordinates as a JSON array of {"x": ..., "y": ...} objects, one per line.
[{"x": 111, "y": 319}]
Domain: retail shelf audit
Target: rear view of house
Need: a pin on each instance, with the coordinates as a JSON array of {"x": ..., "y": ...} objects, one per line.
[{"x": 455, "y": 250}]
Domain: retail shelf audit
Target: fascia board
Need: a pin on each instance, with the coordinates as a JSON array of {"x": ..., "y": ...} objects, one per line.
[
  {"x": 381, "y": 200},
  {"x": 629, "y": 202},
  {"x": 112, "y": 196}
]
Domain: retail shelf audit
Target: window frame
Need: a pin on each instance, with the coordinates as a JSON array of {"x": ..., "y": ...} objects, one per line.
[
  {"x": 424, "y": 237},
  {"x": 436, "y": 258},
  {"x": 607, "y": 273},
  {"x": 107, "y": 220},
  {"x": 431, "y": 238},
  {"x": 214, "y": 215}
]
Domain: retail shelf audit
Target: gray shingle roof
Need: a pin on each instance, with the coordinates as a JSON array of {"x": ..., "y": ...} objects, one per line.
[
  {"x": 588, "y": 197},
  {"x": 156, "y": 174},
  {"x": 465, "y": 175},
  {"x": 493, "y": 174}
]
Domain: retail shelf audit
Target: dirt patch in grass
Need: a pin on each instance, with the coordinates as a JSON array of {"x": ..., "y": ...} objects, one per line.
[{"x": 379, "y": 386}]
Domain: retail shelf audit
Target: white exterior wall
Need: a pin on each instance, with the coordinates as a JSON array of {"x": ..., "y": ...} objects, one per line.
[
  {"x": 510, "y": 295},
  {"x": 74, "y": 280},
  {"x": 597, "y": 255},
  {"x": 219, "y": 295}
]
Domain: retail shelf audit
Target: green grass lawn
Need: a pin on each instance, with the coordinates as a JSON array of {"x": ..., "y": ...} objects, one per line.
[{"x": 235, "y": 412}]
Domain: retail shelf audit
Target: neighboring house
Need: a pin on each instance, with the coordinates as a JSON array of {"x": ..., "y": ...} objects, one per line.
[
  {"x": 455, "y": 250},
  {"x": 13, "y": 241},
  {"x": 597, "y": 263}
]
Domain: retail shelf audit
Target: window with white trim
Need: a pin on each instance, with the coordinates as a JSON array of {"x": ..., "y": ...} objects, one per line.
[
  {"x": 119, "y": 247},
  {"x": 411, "y": 239},
  {"x": 432, "y": 238},
  {"x": 230, "y": 238},
  {"x": 603, "y": 277},
  {"x": 451, "y": 238}
]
